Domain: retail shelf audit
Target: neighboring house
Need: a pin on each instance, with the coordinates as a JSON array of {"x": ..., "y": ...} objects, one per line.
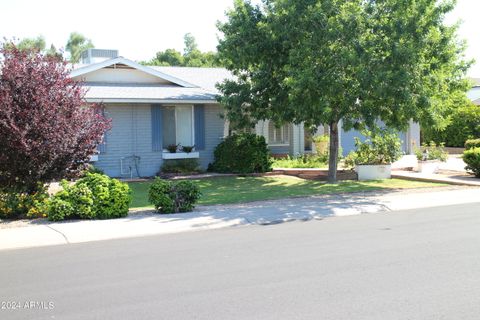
[
  {"x": 152, "y": 107},
  {"x": 474, "y": 93}
]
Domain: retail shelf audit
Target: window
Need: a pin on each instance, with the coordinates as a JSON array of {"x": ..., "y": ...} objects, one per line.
[
  {"x": 178, "y": 126},
  {"x": 279, "y": 135}
]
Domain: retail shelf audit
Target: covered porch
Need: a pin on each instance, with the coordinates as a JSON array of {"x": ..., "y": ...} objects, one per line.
[{"x": 291, "y": 139}]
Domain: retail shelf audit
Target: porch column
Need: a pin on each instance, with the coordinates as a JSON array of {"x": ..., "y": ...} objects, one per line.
[
  {"x": 260, "y": 129},
  {"x": 226, "y": 128},
  {"x": 413, "y": 137},
  {"x": 301, "y": 132},
  {"x": 297, "y": 139}
]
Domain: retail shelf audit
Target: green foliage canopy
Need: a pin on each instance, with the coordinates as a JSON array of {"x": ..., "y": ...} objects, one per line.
[
  {"x": 39, "y": 44},
  {"x": 76, "y": 44},
  {"x": 463, "y": 124},
  {"x": 191, "y": 57},
  {"x": 317, "y": 62}
]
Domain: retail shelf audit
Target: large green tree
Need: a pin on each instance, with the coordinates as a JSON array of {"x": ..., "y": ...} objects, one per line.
[
  {"x": 38, "y": 45},
  {"x": 32, "y": 44},
  {"x": 359, "y": 61},
  {"x": 76, "y": 44},
  {"x": 191, "y": 57}
]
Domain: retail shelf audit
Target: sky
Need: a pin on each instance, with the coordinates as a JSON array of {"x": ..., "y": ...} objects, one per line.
[{"x": 140, "y": 28}]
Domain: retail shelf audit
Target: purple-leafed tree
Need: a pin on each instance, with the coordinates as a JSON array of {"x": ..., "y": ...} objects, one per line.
[{"x": 47, "y": 130}]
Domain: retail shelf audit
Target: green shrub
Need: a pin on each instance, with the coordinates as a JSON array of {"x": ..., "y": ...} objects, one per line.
[
  {"x": 242, "y": 153},
  {"x": 303, "y": 161},
  {"x": 92, "y": 169},
  {"x": 187, "y": 149},
  {"x": 59, "y": 209},
  {"x": 173, "y": 197},
  {"x": 472, "y": 158},
  {"x": 94, "y": 196},
  {"x": 14, "y": 205},
  {"x": 350, "y": 160},
  {"x": 82, "y": 200},
  {"x": 432, "y": 151},
  {"x": 172, "y": 148},
  {"x": 472, "y": 143},
  {"x": 464, "y": 125},
  {"x": 382, "y": 146},
  {"x": 111, "y": 198},
  {"x": 321, "y": 138},
  {"x": 180, "y": 166},
  {"x": 159, "y": 195}
]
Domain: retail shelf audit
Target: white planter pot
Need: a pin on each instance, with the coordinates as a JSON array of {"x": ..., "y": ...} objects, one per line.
[
  {"x": 428, "y": 167},
  {"x": 374, "y": 172}
]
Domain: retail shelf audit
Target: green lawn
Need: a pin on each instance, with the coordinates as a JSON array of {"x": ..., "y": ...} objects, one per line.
[{"x": 223, "y": 190}]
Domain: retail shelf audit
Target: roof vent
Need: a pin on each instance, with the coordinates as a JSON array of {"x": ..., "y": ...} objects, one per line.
[{"x": 97, "y": 55}]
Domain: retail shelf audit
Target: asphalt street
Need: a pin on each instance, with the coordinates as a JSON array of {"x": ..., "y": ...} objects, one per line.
[{"x": 415, "y": 264}]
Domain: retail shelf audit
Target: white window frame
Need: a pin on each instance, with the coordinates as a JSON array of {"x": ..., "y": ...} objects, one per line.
[
  {"x": 193, "y": 122},
  {"x": 282, "y": 128}
]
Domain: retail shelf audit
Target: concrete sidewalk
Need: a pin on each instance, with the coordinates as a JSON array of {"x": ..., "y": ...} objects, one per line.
[
  {"x": 442, "y": 176},
  {"x": 43, "y": 233},
  {"x": 451, "y": 171}
]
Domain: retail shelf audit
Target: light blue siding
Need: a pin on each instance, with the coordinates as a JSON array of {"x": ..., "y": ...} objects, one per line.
[
  {"x": 214, "y": 128},
  {"x": 347, "y": 139},
  {"x": 131, "y": 140}
]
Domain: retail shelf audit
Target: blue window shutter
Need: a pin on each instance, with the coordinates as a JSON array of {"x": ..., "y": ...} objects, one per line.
[
  {"x": 199, "y": 113},
  {"x": 157, "y": 117}
]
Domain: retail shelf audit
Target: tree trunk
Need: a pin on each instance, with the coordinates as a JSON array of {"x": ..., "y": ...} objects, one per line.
[{"x": 333, "y": 153}]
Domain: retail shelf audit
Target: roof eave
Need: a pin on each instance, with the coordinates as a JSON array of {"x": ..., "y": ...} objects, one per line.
[{"x": 150, "y": 101}]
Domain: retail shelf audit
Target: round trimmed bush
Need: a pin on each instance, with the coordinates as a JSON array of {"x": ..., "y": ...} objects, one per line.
[
  {"x": 242, "y": 153},
  {"x": 95, "y": 196},
  {"x": 472, "y": 158},
  {"x": 159, "y": 196},
  {"x": 173, "y": 197},
  {"x": 111, "y": 197}
]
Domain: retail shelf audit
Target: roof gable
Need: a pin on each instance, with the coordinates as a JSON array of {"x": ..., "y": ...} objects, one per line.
[{"x": 125, "y": 64}]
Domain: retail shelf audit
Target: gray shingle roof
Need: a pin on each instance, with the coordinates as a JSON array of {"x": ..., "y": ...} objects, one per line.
[
  {"x": 137, "y": 91},
  {"x": 205, "y": 78},
  {"x": 200, "y": 83}
]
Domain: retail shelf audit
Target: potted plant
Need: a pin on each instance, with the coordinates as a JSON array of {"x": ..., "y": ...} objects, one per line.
[
  {"x": 430, "y": 157},
  {"x": 172, "y": 148},
  {"x": 373, "y": 158},
  {"x": 320, "y": 144},
  {"x": 187, "y": 149}
]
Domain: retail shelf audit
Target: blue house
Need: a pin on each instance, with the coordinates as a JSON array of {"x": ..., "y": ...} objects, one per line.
[{"x": 153, "y": 107}]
